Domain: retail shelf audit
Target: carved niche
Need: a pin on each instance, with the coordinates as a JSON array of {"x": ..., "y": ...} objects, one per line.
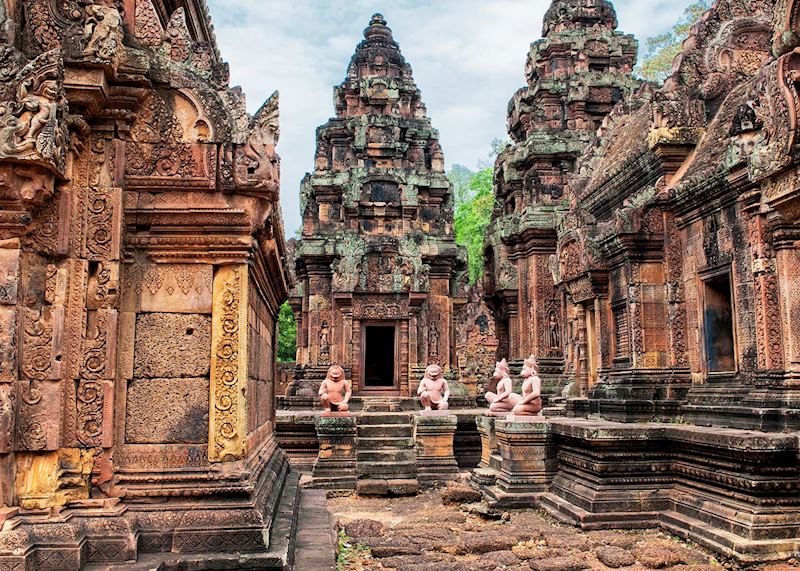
[{"x": 169, "y": 145}]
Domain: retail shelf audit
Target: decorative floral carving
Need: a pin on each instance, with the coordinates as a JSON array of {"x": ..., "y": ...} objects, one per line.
[
  {"x": 95, "y": 349},
  {"x": 32, "y": 424},
  {"x": 177, "y": 38},
  {"x": 228, "y": 365},
  {"x": 508, "y": 277},
  {"x": 153, "y": 279},
  {"x": 37, "y": 345},
  {"x": 185, "y": 280},
  {"x": 148, "y": 26},
  {"x": 89, "y": 416}
]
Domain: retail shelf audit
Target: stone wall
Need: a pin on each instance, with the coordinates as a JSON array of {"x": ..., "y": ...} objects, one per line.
[{"x": 141, "y": 272}]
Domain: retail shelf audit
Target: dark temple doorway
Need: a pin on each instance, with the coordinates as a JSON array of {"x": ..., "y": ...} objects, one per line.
[
  {"x": 718, "y": 316},
  {"x": 379, "y": 358}
]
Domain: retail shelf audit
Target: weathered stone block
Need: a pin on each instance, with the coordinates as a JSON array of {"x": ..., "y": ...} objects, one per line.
[
  {"x": 8, "y": 344},
  {"x": 335, "y": 467},
  {"x": 177, "y": 288},
  {"x": 436, "y": 460},
  {"x": 170, "y": 345},
  {"x": 163, "y": 411},
  {"x": 53, "y": 479},
  {"x": 40, "y": 413},
  {"x": 528, "y": 460},
  {"x": 9, "y": 276},
  {"x": 7, "y": 399}
]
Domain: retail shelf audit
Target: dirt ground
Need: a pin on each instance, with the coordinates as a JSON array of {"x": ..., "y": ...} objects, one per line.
[{"x": 425, "y": 533}]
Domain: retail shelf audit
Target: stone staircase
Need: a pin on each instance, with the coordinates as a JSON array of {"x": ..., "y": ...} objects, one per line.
[{"x": 386, "y": 461}]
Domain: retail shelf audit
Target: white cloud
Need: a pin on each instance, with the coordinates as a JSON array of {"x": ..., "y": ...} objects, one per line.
[{"x": 468, "y": 58}]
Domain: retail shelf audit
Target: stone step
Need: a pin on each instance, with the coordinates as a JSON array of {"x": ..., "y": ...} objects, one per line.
[
  {"x": 385, "y": 430},
  {"x": 377, "y": 404},
  {"x": 387, "y": 470},
  {"x": 368, "y": 419},
  {"x": 393, "y": 487},
  {"x": 381, "y": 443},
  {"x": 387, "y": 455}
]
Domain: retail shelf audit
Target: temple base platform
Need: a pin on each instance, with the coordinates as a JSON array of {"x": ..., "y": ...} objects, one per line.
[
  {"x": 728, "y": 490},
  {"x": 250, "y": 524}
]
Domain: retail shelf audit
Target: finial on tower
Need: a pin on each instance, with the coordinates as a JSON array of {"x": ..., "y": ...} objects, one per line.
[{"x": 377, "y": 29}]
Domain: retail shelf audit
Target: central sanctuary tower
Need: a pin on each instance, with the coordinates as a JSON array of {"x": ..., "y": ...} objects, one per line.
[{"x": 377, "y": 263}]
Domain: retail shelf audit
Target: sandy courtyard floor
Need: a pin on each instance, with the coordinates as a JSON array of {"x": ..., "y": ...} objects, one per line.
[{"x": 425, "y": 533}]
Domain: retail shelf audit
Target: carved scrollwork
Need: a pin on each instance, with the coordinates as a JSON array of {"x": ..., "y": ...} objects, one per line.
[{"x": 228, "y": 365}]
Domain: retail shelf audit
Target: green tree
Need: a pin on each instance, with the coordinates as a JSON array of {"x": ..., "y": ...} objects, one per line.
[
  {"x": 459, "y": 177},
  {"x": 472, "y": 217},
  {"x": 662, "y": 49},
  {"x": 287, "y": 334}
]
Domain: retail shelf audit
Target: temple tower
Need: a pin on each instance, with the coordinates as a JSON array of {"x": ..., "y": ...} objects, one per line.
[
  {"x": 575, "y": 75},
  {"x": 377, "y": 260}
]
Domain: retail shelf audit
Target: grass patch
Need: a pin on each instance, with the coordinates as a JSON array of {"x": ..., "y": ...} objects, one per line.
[{"x": 348, "y": 554}]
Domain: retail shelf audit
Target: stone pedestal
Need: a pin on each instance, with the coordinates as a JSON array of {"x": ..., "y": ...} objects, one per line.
[
  {"x": 433, "y": 435},
  {"x": 486, "y": 472},
  {"x": 528, "y": 460},
  {"x": 335, "y": 468}
]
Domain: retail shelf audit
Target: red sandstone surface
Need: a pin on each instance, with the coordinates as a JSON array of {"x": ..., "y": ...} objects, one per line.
[{"x": 425, "y": 533}]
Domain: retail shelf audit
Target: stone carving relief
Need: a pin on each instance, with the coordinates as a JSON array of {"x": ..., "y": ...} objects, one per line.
[
  {"x": 380, "y": 307},
  {"x": 102, "y": 32},
  {"x": 164, "y": 147},
  {"x": 433, "y": 340},
  {"x": 50, "y": 22},
  {"x": 178, "y": 40},
  {"x": 7, "y": 407},
  {"x": 90, "y": 403},
  {"x": 325, "y": 343},
  {"x": 257, "y": 163},
  {"x": 8, "y": 345},
  {"x": 228, "y": 365},
  {"x": 32, "y": 423},
  {"x": 32, "y": 120},
  {"x": 508, "y": 276},
  {"x": 148, "y": 29},
  {"x": 347, "y": 268}
]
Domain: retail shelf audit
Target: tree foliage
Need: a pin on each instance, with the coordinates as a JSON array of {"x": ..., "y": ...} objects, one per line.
[
  {"x": 287, "y": 334},
  {"x": 460, "y": 176},
  {"x": 472, "y": 216},
  {"x": 662, "y": 49}
]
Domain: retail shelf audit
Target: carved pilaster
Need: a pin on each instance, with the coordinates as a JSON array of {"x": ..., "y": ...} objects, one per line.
[{"x": 228, "y": 410}]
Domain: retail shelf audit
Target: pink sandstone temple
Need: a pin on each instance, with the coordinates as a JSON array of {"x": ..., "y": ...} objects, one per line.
[{"x": 641, "y": 288}]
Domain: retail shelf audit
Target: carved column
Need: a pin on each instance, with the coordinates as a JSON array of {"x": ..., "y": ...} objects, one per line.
[
  {"x": 582, "y": 357},
  {"x": 228, "y": 409},
  {"x": 320, "y": 310},
  {"x": 788, "y": 276},
  {"x": 769, "y": 325}
]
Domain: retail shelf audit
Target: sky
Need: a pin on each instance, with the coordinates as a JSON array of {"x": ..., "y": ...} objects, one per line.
[{"x": 468, "y": 58}]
